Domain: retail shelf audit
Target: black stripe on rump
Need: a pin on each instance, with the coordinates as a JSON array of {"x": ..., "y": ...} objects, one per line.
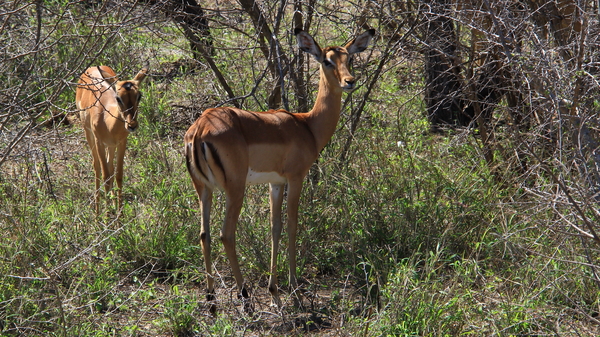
[
  {"x": 215, "y": 155},
  {"x": 189, "y": 154}
]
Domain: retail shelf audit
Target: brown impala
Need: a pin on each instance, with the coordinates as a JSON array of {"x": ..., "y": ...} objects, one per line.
[
  {"x": 108, "y": 111},
  {"x": 229, "y": 148}
]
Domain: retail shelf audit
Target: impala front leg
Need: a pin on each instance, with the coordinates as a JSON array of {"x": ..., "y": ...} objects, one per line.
[
  {"x": 110, "y": 173},
  {"x": 276, "y": 201},
  {"x": 99, "y": 180},
  {"x": 293, "y": 200},
  {"x": 119, "y": 174},
  {"x": 104, "y": 167},
  {"x": 97, "y": 169}
]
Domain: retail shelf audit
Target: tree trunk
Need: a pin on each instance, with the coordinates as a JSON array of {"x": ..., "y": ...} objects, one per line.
[
  {"x": 268, "y": 45},
  {"x": 189, "y": 14},
  {"x": 443, "y": 89}
]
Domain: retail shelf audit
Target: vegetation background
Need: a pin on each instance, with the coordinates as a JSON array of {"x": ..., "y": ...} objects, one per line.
[{"x": 459, "y": 195}]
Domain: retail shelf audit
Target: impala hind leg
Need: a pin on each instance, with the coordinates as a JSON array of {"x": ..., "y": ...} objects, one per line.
[
  {"x": 233, "y": 206},
  {"x": 293, "y": 199},
  {"x": 205, "y": 197},
  {"x": 276, "y": 201}
]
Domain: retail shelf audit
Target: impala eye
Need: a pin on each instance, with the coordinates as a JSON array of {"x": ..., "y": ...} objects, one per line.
[{"x": 327, "y": 63}]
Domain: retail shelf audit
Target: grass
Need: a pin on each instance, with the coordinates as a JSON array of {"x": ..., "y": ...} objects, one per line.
[{"x": 395, "y": 244}]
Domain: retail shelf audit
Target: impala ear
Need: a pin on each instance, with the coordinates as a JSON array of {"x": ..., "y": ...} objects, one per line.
[
  {"x": 111, "y": 79},
  {"x": 141, "y": 75},
  {"x": 361, "y": 42},
  {"x": 308, "y": 44}
]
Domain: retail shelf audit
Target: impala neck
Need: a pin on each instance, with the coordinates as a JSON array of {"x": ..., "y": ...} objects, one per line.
[{"x": 324, "y": 116}]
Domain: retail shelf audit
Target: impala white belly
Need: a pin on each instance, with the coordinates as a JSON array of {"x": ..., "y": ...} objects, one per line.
[{"x": 255, "y": 178}]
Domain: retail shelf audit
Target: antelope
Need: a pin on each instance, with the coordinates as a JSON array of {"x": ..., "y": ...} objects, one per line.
[
  {"x": 228, "y": 148},
  {"x": 108, "y": 111}
]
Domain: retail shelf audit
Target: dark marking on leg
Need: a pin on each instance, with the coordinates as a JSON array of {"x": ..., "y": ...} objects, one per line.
[
  {"x": 210, "y": 296},
  {"x": 245, "y": 293},
  {"x": 246, "y": 302},
  {"x": 204, "y": 237}
]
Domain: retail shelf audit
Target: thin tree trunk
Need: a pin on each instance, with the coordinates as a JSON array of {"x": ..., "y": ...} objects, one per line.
[{"x": 269, "y": 46}]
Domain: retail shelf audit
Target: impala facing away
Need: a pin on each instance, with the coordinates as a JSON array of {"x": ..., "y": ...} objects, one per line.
[
  {"x": 229, "y": 148},
  {"x": 108, "y": 111}
]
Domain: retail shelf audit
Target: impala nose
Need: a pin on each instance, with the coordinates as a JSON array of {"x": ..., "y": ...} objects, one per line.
[
  {"x": 131, "y": 126},
  {"x": 349, "y": 84}
]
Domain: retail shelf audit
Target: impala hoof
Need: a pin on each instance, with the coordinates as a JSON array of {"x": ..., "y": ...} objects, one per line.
[{"x": 210, "y": 298}]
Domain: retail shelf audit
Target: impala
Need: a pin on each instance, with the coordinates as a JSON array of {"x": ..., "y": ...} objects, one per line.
[
  {"x": 108, "y": 110},
  {"x": 229, "y": 148}
]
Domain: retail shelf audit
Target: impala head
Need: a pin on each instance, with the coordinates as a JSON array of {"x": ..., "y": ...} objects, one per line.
[
  {"x": 128, "y": 96},
  {"x": 335, "y": 60}
]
